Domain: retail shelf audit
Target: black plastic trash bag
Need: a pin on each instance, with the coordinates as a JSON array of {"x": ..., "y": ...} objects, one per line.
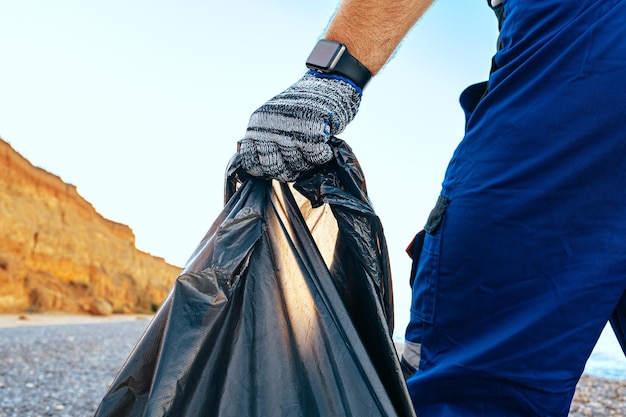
[{"x": 282, "y": 310}]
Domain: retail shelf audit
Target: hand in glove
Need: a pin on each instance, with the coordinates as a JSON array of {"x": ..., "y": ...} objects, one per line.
[{"x": 288, "y": 134}]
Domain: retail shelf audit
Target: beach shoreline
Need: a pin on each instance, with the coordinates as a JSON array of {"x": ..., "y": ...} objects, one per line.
[{"x": 51, "y": 319}]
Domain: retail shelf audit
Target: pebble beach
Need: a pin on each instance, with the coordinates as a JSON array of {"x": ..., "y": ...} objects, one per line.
[{"x": 61, "y": 365}]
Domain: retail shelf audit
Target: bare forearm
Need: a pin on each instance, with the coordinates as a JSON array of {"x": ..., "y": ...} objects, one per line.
[{"x": 372, "y": 29}]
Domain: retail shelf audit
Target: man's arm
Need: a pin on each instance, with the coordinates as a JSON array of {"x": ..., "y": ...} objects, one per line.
[
  {"x": 372, "y": 29},
  {"x": 289, "y": 134}
]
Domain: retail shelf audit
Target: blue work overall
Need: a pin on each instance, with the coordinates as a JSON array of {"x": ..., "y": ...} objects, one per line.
[{"x": 523, "y": 260}]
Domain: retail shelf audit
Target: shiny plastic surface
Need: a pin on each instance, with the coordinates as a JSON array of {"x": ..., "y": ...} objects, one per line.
[{"x": 283, "y": 310}]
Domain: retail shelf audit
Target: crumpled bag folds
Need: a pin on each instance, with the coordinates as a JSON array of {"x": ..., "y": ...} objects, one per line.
[{"x": 284, "y": 309}]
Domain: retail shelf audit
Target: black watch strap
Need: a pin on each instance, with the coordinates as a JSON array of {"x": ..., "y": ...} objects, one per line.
[
  {"x": 330, "y": 57},
  {"x": 351, "y": 68}
]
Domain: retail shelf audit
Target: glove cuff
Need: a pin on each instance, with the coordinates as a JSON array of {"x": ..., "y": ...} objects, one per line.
[{"x": 336, "y": 77}]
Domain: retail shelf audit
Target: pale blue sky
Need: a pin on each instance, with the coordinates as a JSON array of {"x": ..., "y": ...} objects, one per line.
[{"x": 140, "y": 104}]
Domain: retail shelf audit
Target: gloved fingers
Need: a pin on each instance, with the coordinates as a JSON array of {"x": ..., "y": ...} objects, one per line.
[
  {"x": 282, "y": 159},
  {"x": 264, "y": 158},
  {"x": 289, "y": 134},
  {"x": 280, "y": 145},
  {"x": 311, "y": 154}
]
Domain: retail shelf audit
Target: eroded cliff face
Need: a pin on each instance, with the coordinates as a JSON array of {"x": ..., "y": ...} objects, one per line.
[{"x": 58, "y": 254}]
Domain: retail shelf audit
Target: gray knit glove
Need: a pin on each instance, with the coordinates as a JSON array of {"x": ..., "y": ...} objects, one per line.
[{"x": 288, "y": 134}]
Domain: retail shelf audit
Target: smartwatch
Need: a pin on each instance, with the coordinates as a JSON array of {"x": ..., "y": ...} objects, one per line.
[{"x": 330, "y": 57}]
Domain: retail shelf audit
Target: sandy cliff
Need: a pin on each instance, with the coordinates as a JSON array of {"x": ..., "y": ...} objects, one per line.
[{"x": 58, "y": 254}]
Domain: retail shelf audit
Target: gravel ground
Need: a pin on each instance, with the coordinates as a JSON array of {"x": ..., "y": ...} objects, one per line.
[{"x": 63, "y": 371}]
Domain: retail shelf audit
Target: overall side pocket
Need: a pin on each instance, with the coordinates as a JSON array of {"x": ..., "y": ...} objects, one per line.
[{"x": 425, "y": 267}]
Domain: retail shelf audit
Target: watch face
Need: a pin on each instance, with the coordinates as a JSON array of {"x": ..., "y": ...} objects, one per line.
[{"x": 325, "y": 55}]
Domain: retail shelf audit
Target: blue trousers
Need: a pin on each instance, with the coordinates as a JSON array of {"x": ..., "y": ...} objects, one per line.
[{"x": 524, "y": 258}]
